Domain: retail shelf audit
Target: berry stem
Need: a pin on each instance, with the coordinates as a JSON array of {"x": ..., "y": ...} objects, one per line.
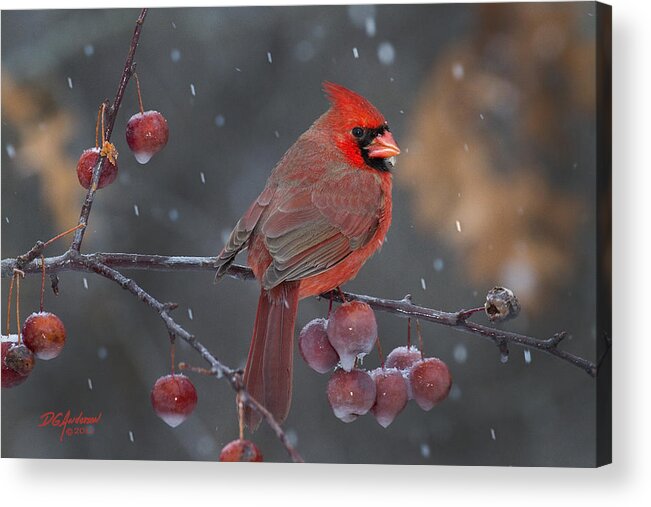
[
  {"x": 142, "y": 109},
  {"x": 173, "y": 354},
  {"x": 42, "y": 281},
  {"x": 103, "y": 130},
  {"x": 100, "y": 112},
  {"x": 420, "y": 338},
  {"x": 17, "y": 275},
  {"x": 408, "y": 333},
  {"x": 341, "y": 295},
  {"x": 11, "y": 290},
  {"x": 379, "y": 353},
  {"x": 61, "y": 235},
  {"x": 240, "y": 414}
]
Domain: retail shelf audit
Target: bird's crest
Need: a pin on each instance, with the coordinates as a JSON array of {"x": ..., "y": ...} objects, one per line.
[{"x": 350, "y": 105}]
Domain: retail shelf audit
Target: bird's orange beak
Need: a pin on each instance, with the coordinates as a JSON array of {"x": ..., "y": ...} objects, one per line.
[{"x": 383, "y": 146}]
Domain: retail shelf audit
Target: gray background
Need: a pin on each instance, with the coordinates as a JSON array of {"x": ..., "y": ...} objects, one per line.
[{"x": 542, "y": 413}]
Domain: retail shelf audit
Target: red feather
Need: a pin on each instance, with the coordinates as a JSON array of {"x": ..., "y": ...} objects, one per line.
[{"x": 322, "y": 214}]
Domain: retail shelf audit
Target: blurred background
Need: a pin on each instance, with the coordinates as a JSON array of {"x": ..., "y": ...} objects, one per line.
[{"x": 494, "y": 109}]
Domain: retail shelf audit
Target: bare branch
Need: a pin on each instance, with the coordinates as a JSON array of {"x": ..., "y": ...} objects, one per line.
[
  {"x": 129, "y": 68},
  {"x": 403, "y": 307}
]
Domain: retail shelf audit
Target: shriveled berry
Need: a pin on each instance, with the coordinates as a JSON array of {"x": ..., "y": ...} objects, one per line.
[
  {"x": 44, "y": 334},
  {"x": 87, "y": 163},
  {"x": 351, "y": 393},
  {"x": 240, "y": 450},
  {"x": 147, "y": 134},
  {"x": 17, "y": 361},
  {"x": 430, "y": 382},
  {"x": 402, "y": 357},
  {"x": 173, "y": 398},
  {"x": 315, "y": 348},
  {"x": 352, "y": 331},
  {"x": 391, "y": 394}
]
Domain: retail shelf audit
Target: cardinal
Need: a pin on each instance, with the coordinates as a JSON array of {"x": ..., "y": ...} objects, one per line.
[{"x": 324, "y": 211}]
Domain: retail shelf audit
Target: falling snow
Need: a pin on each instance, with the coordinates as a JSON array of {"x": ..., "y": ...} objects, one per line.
[
  {"x": 455, "y": 392},
  {"x": 493, "y": 434},
  {"x": 90, "y": 384},
  {"x": 131, "y": 436},
  {"x": 457, "y": 71},
  {"x": 102, "y": 353},
  {"x": 192, "y": 90},
  {"x": 175, "y": 55},
  {"x": 277, "y": 134},
  {"x": 458, "y": 224},
  {"x": 238, "y": 69},
  {"x": 425, "y": 451},
  {"x": 85, "y": 283},
  {"x": 173, "y": 25},
  {"x": 190, "y": 314},
  {"x": 355, "y": 53},
  {"x": 527, "y": 356},
  {"x": 465, "y": 147},
  {"x": 370, "y": 27},
  {"x": 70, "y": 83},
  {"x": 136, "y": 210},
  {"x": 89, "y": 50},
  {"x": 173, "y": 214},
  {"x": 386, "y": 53},
  {"x": 7, "y": 219},
  {"x": 460, "y": 353},
  {"x": 269, "y": 59},
  {"x": 292, "y": 437},
  {"x": 438, "y": 264},
  {"x": 481, "y": 115},
  {"x": 422, "y": 284},
  {"x": 203, "y": 177},
  {"x": 304, "y": 51},
  {"x": 11, "y": 151},
  {"x": 220, "y": 120}
]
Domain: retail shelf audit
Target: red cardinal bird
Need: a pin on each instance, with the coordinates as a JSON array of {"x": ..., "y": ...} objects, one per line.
[{"x": 325, "y": 210}]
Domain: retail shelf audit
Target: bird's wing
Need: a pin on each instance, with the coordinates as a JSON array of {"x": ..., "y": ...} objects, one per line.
[
  {"x": 242, "y": 231},
  {"x": 310, "y": 229}
]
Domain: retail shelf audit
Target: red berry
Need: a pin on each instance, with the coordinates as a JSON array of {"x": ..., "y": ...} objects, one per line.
[
  {"x": 391, "y": 395},
  {"x": 240, "y": 450},
  {"x": 351, "y": 394},
  {"x": 147, "y": 134},
  {"x": 402, "y": 358},
  {"x": 44, "y": 334},
  {"x": 17, "y": 361},
  {"x": 87, "y": 163},
  {"x": 352, "y": 331},
  {"x": 173, "y": 398},
  {"x": 315, "y": 348},
  {"x": 430, "y": 382}
]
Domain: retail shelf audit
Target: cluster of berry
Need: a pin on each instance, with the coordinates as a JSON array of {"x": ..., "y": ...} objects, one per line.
[
  {"x": 351, "y": 333},
  {"x": 42, "y": 336}
]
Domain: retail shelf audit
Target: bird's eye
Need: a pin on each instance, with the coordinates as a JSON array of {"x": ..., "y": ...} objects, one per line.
[{"x": 358, "y": 132}]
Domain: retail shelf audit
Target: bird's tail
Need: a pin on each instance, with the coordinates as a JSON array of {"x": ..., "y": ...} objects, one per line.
[{"x": 268, "y": 371}]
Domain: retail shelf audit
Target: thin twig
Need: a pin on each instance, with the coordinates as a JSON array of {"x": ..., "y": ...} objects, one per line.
[
  {"x": 129, "y": 69},
  {"x": 402, "y": 307}
]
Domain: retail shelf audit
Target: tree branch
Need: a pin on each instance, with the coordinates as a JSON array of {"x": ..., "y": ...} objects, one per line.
[
  {"x": 129, "y": 69},
  {"x": 73, "y": 260},
  {"x": 403, "y": 307}
]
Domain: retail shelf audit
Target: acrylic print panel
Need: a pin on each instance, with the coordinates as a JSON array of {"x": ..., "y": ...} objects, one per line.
[{"x": 495, "y": 163}]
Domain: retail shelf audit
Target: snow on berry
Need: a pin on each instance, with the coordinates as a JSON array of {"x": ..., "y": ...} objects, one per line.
[
  {"x": 315, "y": 348},
  {"x": 352, "y": 331},
  {"x": 44, "y": 334},
  {"x": 147, "y": 134},
  {"x": 173, "y": 398},
  {"x": 351, "y": 393}
]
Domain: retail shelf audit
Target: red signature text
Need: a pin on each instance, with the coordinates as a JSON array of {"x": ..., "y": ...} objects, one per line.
[{"x": 70, "y": 425}]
